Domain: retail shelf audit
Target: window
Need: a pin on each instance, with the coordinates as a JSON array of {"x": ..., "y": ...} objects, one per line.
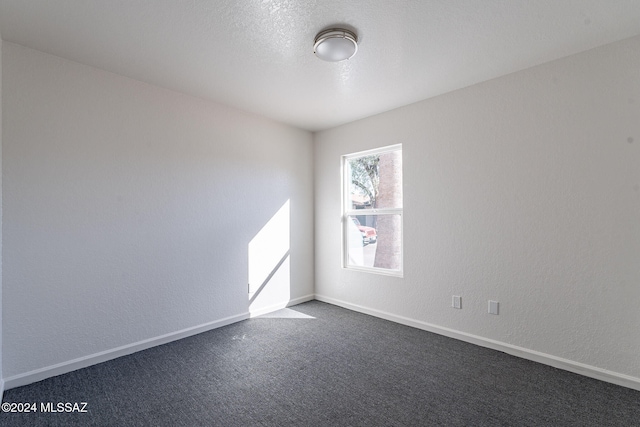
[{"x": 372, "y": 210}]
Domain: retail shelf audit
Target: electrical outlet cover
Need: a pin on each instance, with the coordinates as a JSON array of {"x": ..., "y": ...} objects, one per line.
[
  {"x": 457, "y": 302},
  {"x": 493, "y": 307}
]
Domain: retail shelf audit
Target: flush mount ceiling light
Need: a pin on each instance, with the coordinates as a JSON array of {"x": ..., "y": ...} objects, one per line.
[{"x": 335, "y": 45}]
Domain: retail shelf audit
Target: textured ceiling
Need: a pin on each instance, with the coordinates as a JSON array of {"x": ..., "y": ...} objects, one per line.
[{"x": 257, "y": 55}]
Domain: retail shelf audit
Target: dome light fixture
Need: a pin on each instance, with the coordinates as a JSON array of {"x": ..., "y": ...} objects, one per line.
[{"x": 335, "y": 44}]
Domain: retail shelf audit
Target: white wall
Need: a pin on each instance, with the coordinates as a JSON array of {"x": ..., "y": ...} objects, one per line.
[
  {"x": 1, "y": 377},
  {"x": 524, "y": 189},
  {"x": 129, "y": 210}
]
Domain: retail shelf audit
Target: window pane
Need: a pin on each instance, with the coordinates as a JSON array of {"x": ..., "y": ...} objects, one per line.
[
  {"x": 375, "y": 241},
  {"x": 376, "y": 181}
]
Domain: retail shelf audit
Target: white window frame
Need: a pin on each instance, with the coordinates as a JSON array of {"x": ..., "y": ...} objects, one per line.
[{"x": 347, "y": 212}]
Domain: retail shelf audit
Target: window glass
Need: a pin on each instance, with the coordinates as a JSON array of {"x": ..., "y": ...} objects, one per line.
[
  {"x": 375, "y": 241},
  {"x": 366, "y": 189},
  {"x": 373, "y": 210}
]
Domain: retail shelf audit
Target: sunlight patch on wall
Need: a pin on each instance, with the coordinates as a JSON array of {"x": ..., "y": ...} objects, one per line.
[{"x": 269, "y": 266}]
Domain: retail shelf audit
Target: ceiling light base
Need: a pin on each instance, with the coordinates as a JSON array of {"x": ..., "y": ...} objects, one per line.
[{"x": 335, "y": 44}]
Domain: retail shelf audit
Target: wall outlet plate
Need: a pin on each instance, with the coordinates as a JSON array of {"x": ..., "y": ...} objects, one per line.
[
  {"x": 456, "y": 302},
  {"x": 493, "y": 307}
]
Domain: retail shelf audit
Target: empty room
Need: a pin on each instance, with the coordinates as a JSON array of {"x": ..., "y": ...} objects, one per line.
[{"x": 320, "y": 213}]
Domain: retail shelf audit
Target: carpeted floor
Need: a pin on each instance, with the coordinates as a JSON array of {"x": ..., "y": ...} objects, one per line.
[{"x": 320, "y": 365}]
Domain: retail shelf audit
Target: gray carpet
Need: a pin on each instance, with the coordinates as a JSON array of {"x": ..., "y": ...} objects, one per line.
[{"x": 321, "y": 365}]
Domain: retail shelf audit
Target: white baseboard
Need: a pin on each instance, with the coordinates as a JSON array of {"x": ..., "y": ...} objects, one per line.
[
  {"x": 547, "y": 359},
  {"x": 103, "y": 356},
  {"x": 536, "y": 356},
  {"x": 285, "y": 304}
]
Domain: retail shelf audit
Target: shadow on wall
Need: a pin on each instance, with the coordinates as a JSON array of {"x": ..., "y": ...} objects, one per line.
[{"x": 269, "y": 266}]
